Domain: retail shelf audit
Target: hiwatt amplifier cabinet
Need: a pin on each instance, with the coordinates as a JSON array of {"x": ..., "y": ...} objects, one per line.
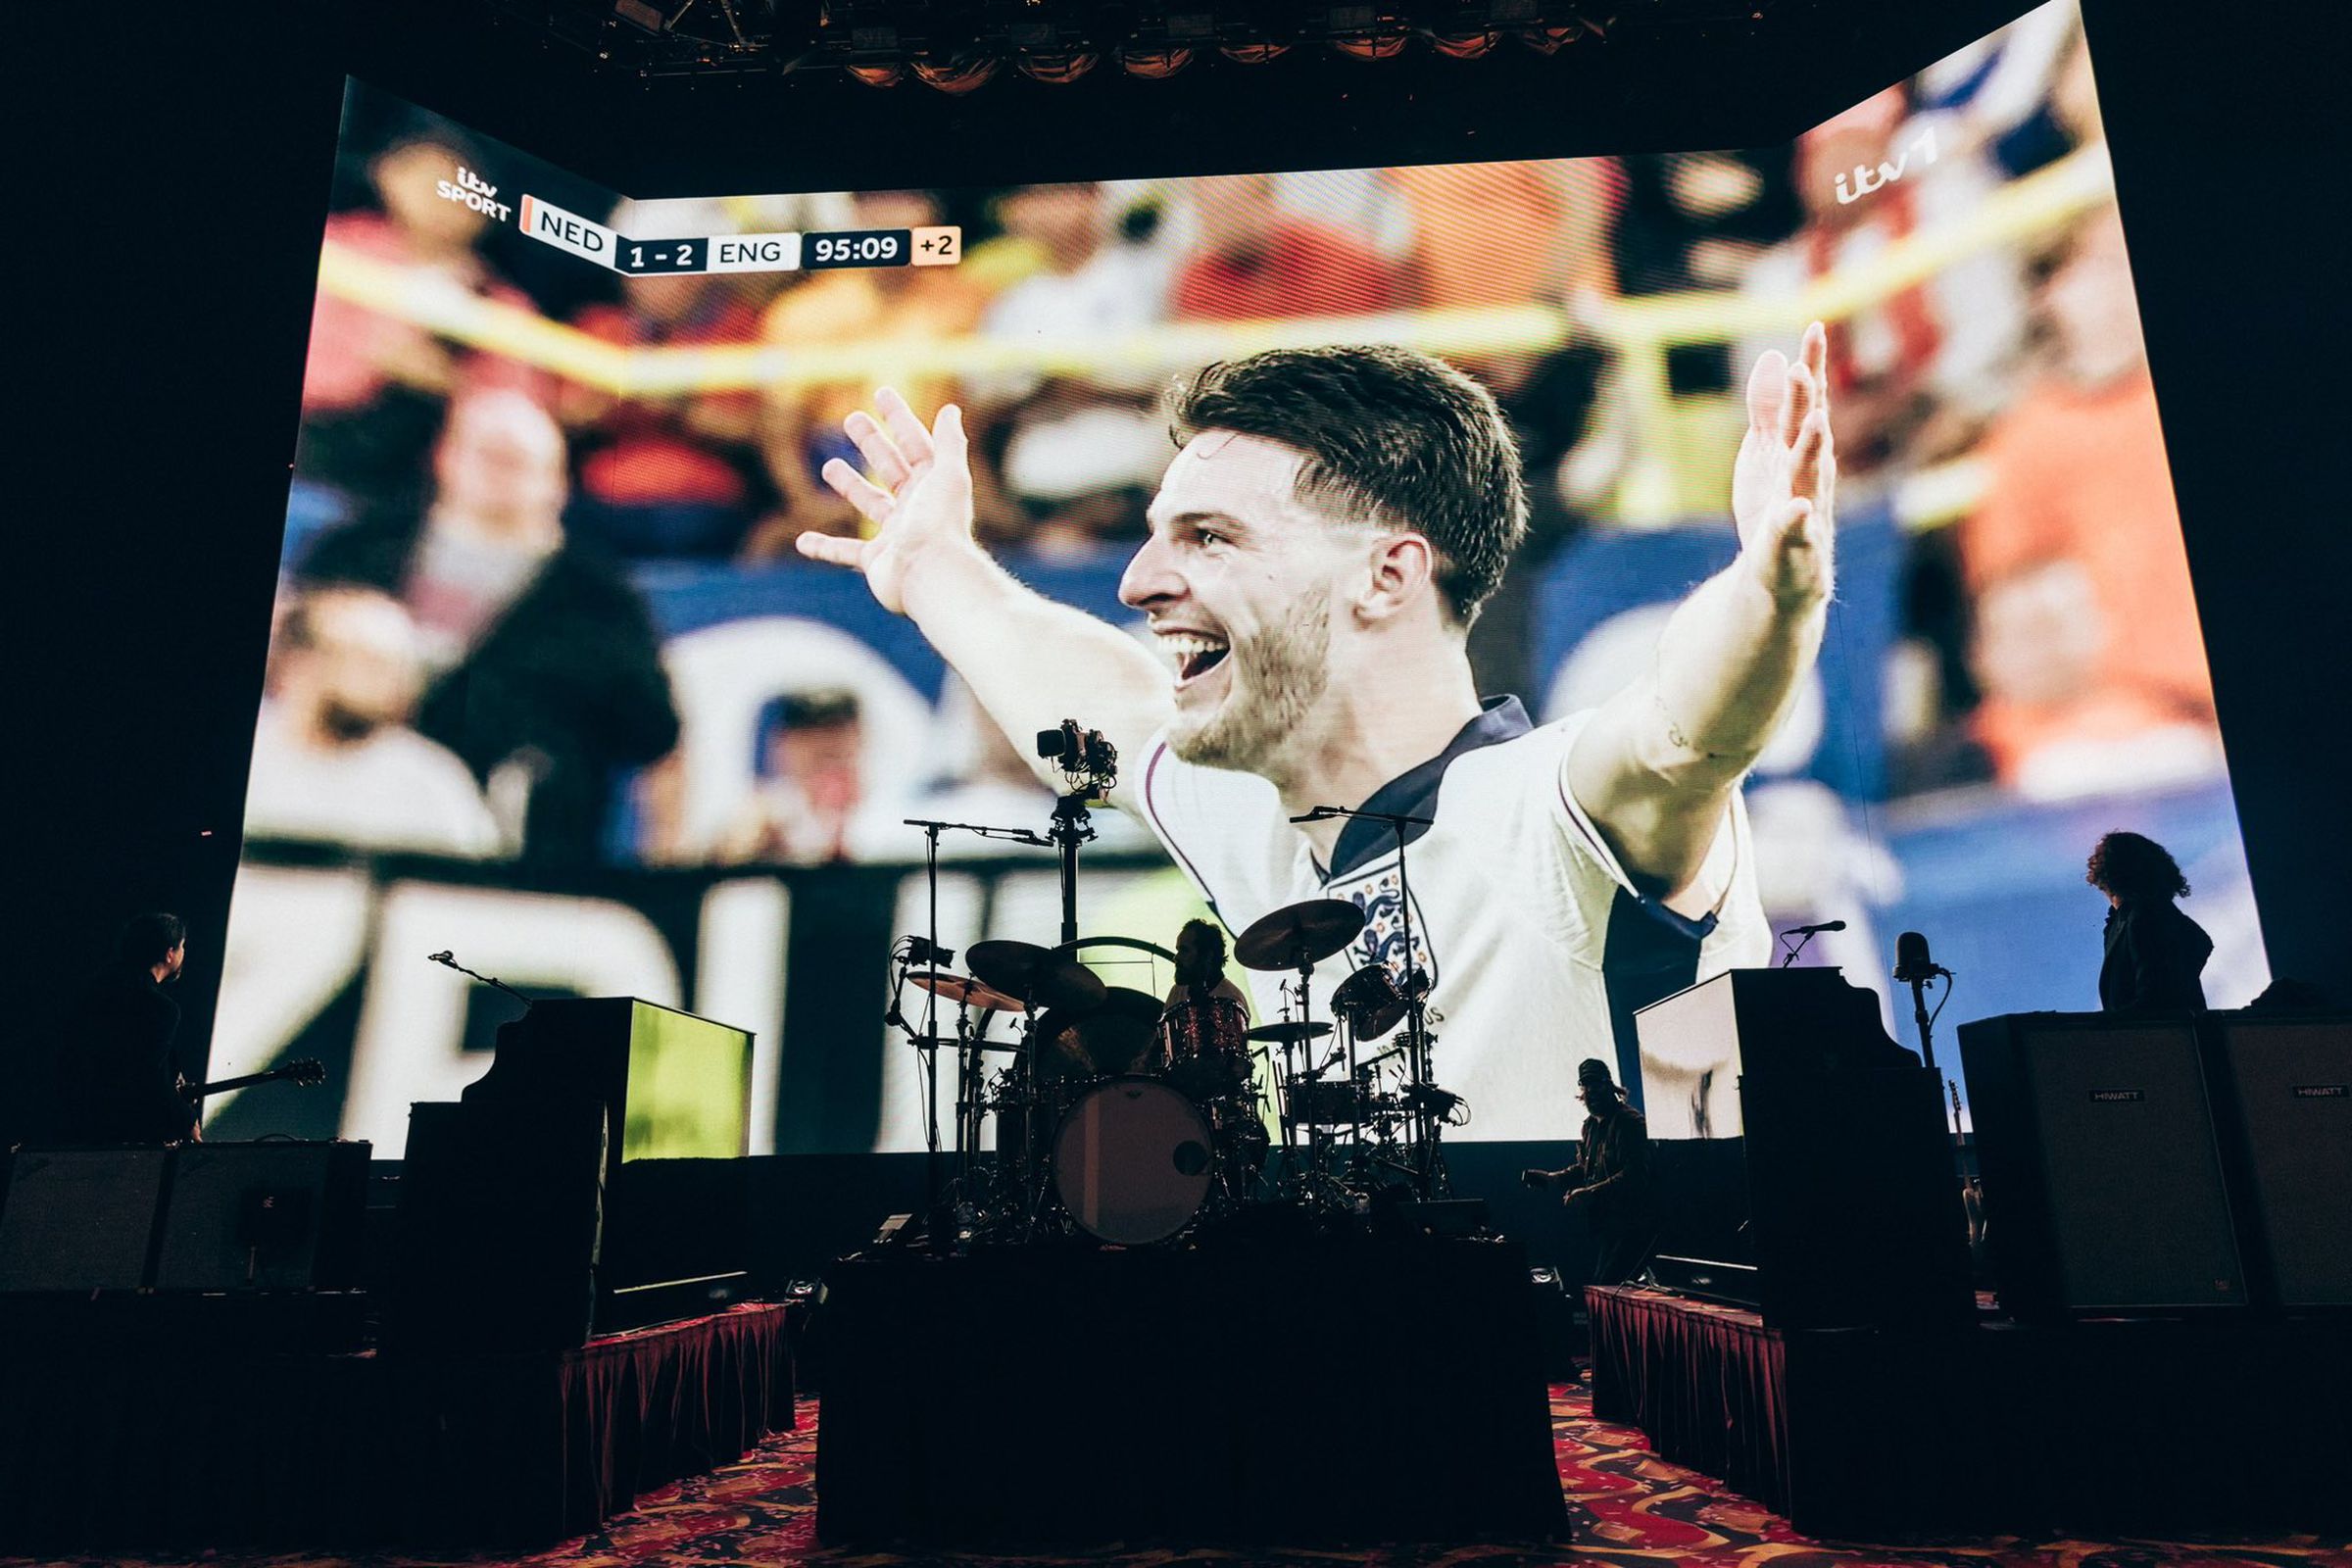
[
  {"x": 271, "y": 1216},
  {"x": 2284, "y": 1087},
  {"x": 2103, "y": 1184},
  {"x": 80, "y": 1219}
]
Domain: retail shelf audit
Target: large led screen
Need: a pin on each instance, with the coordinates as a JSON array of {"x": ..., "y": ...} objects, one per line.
[{"x": 616, "y": 642}]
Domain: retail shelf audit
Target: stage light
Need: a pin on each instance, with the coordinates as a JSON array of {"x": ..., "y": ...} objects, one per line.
[
  {"x": 1464, "y": 45},
  {"x": 1364, "y": 32},
  {"x": 1153, "y": 62},
  {"x": 879, "y": 74},
  {"x": 1058, "y": 67},
  {"x": 1254, "y": 51},
  {"x": 960, "y": 72}
]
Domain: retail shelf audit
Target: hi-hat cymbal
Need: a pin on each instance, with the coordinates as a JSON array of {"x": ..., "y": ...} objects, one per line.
[
  {"x": 1290, "y": 1034},
  {"x": 964, "y": 990},
  {"x": 1302, "y": 934},
  {"x": 1035, "y": 975}
]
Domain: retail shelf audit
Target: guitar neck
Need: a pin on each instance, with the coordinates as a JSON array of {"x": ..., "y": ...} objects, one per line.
[{"x": 221, "y": 1086}]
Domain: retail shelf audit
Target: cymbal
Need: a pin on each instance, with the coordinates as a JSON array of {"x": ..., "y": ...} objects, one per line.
[
  {"x": 1290, "y": 1034},
  {"x": 1038, "y": 976},
  {"x": 961, "y": 989},
  {"x": 1299, "y": 935}
]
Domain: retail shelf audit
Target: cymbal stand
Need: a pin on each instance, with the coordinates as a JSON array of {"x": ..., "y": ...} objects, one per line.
[
  {"x": 1429, "y": 1168},
  {"x": 929, "y": 1040}
]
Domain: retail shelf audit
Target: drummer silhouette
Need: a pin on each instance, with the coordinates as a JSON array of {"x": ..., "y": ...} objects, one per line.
[{"x": 1200, "y": 967}]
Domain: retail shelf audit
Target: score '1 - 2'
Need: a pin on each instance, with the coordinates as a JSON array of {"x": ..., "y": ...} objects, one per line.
[{"x": 661, "y": 256}]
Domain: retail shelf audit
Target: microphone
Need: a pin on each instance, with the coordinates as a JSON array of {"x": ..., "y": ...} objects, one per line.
[
  {"x": 1319, "y": 813},
  {"x": 1816, "y": 930},
  {"x": 444, "y": 957},
  {"x": 920, "y": 951},
  {"x": 1912, "y": 963}
]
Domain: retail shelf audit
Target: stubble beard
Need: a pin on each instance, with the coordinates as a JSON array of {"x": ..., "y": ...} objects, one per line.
[{"x": 1278, "y": 678}]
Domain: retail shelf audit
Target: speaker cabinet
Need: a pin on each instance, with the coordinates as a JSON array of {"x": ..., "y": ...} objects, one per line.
[
  {"x": 500, "y": 1218},
  {"x": 2103, "y": 1183},
  {"x": 80, "y": 1219},
  {"x": 271, "y": 1216},
  {"x": 2287, "y": 1088}
]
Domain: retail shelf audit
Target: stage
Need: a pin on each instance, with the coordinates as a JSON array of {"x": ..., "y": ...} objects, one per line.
[
  {"x": 1315, "y": 1391},
  {"x": 118, "y": 1431},
  {"x": 1994, "y": 1426}
]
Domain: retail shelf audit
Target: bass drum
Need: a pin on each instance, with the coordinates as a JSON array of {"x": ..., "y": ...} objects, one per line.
[{"x": 1131, "y": 1161}]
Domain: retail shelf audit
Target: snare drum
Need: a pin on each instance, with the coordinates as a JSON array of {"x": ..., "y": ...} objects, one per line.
[
  {"x": 1207, "y": 1045},
  {"x": 1131, "y": 1161}
]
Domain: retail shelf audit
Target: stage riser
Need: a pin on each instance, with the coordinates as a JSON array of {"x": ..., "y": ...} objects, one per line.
[
  {"x": 1290, "y": 1392},
  {"x": 2127, "y": 1426}
]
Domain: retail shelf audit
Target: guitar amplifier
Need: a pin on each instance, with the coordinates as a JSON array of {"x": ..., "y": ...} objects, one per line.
[
  {"x": 2285, "y": 1090},
  {"x": 80, "y": 1219},
  {"x": 2103, "y": 1179},
  {"x": 269, "y": 1216}
]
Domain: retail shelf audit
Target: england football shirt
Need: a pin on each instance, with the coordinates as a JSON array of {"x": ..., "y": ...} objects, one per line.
[{"x": 1536, "y": 945}]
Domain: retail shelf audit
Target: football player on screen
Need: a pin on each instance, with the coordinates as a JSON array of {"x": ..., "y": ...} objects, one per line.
[{"x": 1319, "y": 547}]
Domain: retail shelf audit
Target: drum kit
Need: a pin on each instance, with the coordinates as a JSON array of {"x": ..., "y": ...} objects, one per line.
[{"x": 1133, "y": 1122}]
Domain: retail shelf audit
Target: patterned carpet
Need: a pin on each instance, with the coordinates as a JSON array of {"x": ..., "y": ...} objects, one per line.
[{"x": 1625, "y": 1506}]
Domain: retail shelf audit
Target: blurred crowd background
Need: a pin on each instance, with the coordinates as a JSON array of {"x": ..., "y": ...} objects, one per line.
[{"x": 529, "y": 613}]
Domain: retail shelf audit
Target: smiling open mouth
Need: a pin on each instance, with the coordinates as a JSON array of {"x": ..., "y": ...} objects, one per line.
[{"x": 1195, "y": 656}]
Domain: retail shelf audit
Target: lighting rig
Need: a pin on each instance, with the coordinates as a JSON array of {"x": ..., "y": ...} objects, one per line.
[{"x": 958, "y": 45}]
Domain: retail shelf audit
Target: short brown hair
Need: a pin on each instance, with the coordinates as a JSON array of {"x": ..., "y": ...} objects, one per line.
[{"x": 1404, "y": 439}]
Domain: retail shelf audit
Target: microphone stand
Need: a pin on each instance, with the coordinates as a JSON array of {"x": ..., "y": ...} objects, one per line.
[
  {"x": 1917, "y": 981},
  {"x": 966, "y": 1058},
  {"x": 1429, "y": 1176},
  {"x": 446, "y": 961}
]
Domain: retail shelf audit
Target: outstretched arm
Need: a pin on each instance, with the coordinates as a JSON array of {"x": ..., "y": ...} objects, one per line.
[
  {"x": 1030, "y": 662},
  {"x": 1657, "y": 766}
]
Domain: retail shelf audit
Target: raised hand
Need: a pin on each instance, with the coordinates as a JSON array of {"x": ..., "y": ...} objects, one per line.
[
  {"x": 916, "y": 492},
  {"x": 1785, "y": 480}
]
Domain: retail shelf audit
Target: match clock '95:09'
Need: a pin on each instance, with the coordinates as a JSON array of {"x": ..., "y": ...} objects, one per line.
[{"x": 861, "y": 247}]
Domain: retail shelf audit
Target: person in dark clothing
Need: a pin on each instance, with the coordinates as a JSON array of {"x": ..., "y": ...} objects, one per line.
[
  {"x": 2154, "y": 952},
  {"x": 116, "y": 1081},
  {"x": 1611, "y": 1182},
  {"x": 547, "y": 674}
]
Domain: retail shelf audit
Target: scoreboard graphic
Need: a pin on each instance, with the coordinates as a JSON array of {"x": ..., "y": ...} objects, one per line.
[{"x": 549, "y": 225}]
